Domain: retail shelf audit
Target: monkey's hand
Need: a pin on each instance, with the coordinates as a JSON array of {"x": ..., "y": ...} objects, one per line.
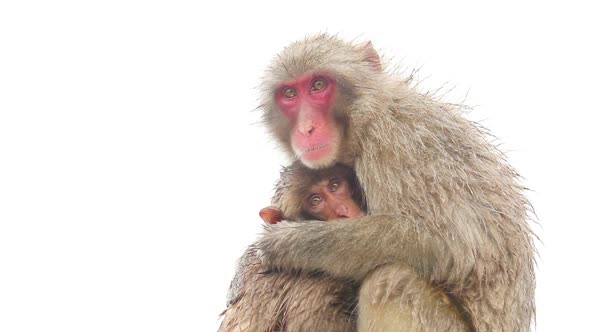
[{"x": 351, "y": 248}]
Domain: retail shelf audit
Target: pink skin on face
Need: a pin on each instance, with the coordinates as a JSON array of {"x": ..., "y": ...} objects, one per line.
[
  {"x": 329, "y": 200},
  {"x": 307, "y": 102}
]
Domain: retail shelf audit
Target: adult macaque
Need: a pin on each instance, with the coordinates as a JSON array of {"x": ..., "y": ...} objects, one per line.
[
  {"x": 326, "y": 194},
  {"x": 444, "y": 207}
]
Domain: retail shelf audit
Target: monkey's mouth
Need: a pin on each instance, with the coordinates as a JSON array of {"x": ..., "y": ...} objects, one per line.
[
  {"x": 315, "y": 148},
  {"x": 316, "y": 153}
]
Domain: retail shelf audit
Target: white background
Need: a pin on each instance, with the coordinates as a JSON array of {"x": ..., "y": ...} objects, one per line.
[{"x": 132, "y": 168}]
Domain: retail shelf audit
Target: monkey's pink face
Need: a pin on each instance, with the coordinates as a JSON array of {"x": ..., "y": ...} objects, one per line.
[
  {"x": 307, "y": 102},
  {"x": 331, "y": 199}
]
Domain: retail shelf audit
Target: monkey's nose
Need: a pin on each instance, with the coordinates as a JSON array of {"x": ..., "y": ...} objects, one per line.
[
  {"x": 306, "y": 130},
  {"x": 342, "y": 211}
]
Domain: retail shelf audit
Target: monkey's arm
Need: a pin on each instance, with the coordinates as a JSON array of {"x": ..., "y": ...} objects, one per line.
[{"x": 353, "y": 247}]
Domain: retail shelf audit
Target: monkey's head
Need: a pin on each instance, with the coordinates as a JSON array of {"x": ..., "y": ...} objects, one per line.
[
  {"x": 313, "y": 91},
  {"x": 292, "y": 191}
]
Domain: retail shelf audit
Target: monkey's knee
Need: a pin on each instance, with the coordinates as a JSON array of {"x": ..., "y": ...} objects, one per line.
[
  {"x": 380, "y": 306},
  {"x": 388, "y": 283},
  {"x": 395, "y": 298},
  {"x": 318, "y": 304}
]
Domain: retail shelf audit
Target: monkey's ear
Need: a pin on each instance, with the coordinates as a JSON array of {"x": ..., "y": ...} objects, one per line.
[
  {"x": 271, "y": 215},
  {"x": 371, "y": 56}
]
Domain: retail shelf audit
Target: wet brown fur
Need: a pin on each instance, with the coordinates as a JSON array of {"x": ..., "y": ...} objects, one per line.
[{"x": 272, "y": 301}]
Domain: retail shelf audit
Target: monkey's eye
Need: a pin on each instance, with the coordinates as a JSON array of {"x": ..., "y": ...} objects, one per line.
[
  {"x": 315, "y": 200},
  {"x": 318, "y": 84},
  {"x": 334, "y": 185},
  {"x": 289, "y": 93}
]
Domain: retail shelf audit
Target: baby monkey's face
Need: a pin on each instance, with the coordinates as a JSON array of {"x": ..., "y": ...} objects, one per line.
[{"x": 331, "y": 199}]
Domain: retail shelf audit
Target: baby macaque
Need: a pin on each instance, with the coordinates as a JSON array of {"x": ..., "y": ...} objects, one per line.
[
  {"x": 264, "y": 300},
  {"x": 327, "y": 194}
]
